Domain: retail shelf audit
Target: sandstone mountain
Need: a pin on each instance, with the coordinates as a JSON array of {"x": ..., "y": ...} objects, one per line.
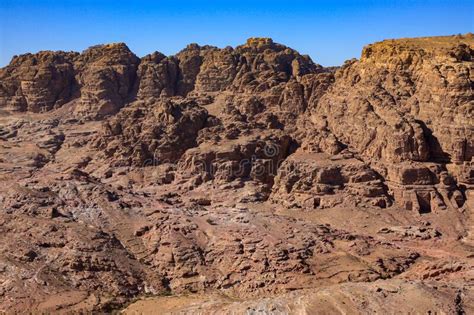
[{"x": 251, "y": 177}]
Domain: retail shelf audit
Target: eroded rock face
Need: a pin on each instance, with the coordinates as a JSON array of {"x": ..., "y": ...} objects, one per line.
[
  {"x": 315, "y": 181},
  {"x": 249, "y": 171},
  {"x": 38, "y": 82},
  {"x": 107, "y": 75},
  {"x": 157, "y": 76},
  {"x": 153, "y": 134},
  {"x": 102, "y": 78},
  {"x": 406, "y": 100}
]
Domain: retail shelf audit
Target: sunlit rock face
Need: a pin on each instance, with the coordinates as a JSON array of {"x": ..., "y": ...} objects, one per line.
[{"x": 248, "y": 172}]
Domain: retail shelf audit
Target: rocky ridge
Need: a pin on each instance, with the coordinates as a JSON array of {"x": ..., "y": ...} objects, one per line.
[{"x": 249, "y": 171}]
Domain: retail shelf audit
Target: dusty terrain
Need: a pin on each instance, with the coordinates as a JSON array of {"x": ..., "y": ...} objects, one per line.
[{"x": 239, "y": 180}]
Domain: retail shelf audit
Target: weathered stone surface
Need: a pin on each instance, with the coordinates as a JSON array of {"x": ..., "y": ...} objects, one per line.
[
  {"x": 102, "y": 77},
  {"x": 411, "y": 232},
  {"x": 38, "y": 82},
  {"x": 406, "y": 100},
  {"x": 314, "y": 181},
  {"x": 152, "y": 134},
  {"x": 106, "y": 74},
  {"x": 157, "y": 76},
  {"x": 246, "y": 172}
]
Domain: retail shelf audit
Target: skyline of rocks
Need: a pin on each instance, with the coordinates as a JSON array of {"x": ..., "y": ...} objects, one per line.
[{"x": 249, "y": 172}]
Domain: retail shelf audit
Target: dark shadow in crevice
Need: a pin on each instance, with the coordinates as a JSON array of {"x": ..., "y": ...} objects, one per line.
[
  {"x": 436, "y": 151},
  {"x": 424, "y": 202}
]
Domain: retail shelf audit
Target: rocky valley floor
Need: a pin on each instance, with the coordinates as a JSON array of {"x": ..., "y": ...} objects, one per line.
[{"x": 239, "y": 180}]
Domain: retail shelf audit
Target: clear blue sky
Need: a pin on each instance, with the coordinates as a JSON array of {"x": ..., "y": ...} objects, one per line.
[{"x": 329, "y": 31}]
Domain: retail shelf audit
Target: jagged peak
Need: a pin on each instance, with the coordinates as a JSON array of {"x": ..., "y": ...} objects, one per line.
[
  {"x": 113, "y": 52},
  {"x": 155, "y": 57},
  {"x": 43, "y": 56},
  {"x": 259, "y": 41},
  {"x": 109, "y": 46},
  {"x": 260, "y": 44}
]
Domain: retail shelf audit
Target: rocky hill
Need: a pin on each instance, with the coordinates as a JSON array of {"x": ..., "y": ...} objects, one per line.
[{"x": 239, "y": 175}]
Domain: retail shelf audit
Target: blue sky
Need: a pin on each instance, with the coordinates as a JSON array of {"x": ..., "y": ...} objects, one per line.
[{"x": 329, "y": 31}]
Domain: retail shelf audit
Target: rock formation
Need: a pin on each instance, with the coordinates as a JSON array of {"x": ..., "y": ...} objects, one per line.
[
  {"x": 409, "y": 102},
  {"x": 239, "y": 174}
]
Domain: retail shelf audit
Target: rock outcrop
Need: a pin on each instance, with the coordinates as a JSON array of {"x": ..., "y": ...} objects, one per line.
[
  {"x": 38, "y": 82},
  {"x": 247, "y": 172},
  {"x": 100, "y": 80},
  {"x": 317, "y": 181},
  {"x": 106, "y": 74},
  {"x": 408, "y": 102}
]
